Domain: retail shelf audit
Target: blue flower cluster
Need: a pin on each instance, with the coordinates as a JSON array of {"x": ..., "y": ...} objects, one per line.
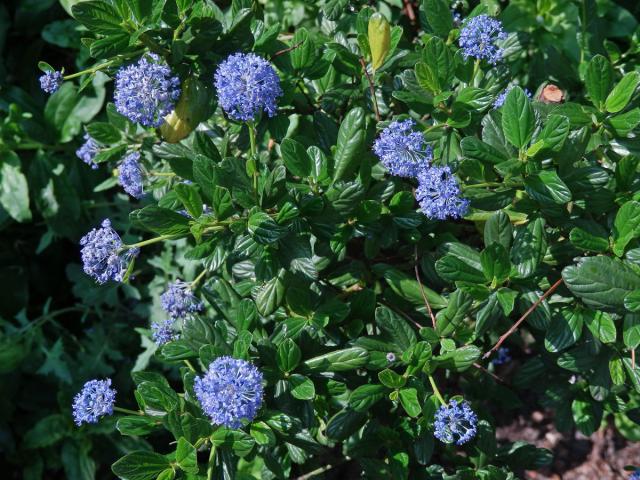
[
  {"x": 635, "y": 475},
  {"x": 439, "y": 195},
  {"x": 455, "y": 423},
  {"x": 247, "y": 84},
  {"x": 163, "y": 332},
  {"x": 88, "y": 151},
  {"x": 178, "y": 301},
  {"x": 94, "y": 401},
  {"x": 404, "y": 153},
  {"x": 130, "y": 175},
  {"x": 402, "y": 150},
  {"x": 479, "y": 39},
  {"x": 503, "y": 96},
  {"x": 50, "y": 82},
  {"x": 230, "y": 391},
  {"x": 103, "y": 255},
  {"x": 503, "y": 357},
  {"x": 146, "y": 91}
]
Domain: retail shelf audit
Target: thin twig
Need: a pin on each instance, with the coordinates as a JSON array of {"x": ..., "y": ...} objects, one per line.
[
  {"x": 372, "y": 88},
  {"x": 424, "y": 295},
  {"x": 491, "y": 374},
  {"x": 287, "y": 50},
  {"x": 515, "y": 326},
  {"x": 317, "y": 471}
]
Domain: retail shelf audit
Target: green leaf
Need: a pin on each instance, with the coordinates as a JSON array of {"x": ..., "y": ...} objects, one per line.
[
  {"x": 302, "y": 387},
  {"x": 104, "y": 132},
  {"x": 14, "y": 190},
  {"x": 303, "y": 55},
  {"x": 338, "y": 360},
  {"x": 601, "y": 325},
  {"x": 435, "y": 71},
  {"x": 518, "y": 121},
  {"x": 289, "y": 355},
  {"x": 264, "y": 229},
  {"x": 601, "y": 282},
  {"x": 351, "y": 138},
  {"x": 365, "y": 396},
  {"x": 624, "y": 123},
  {"x": 137, "y": 425},
  {"x": 452, "y": 317},
  {"x": 140, "y": 465},
  {"x": 588, "y": 241},
  {"x": 46, "y": 432},
  {"x": 409, "y": 289},
  {"x": 554, "y": 133},
  {"x": 547, "y": 187},
  {"x": 438, "y": 16},
  {"x": 295, "y": 158},
  {"x": 270, "y": 295},
  {"x": 186, "y": 456},
  {"x": 161, "y": 221},
  {"x": 587, "y": 415},
  {"x": 598, "y": 79},
  {"x": 476, "y": 149},
  {"x": 396, "y": 327},
  {"x": 529, "y": 247},
  {"x": 453, "y": 269},
  {"x": 158, "y": 396},
  {"x": 409, "y": 401},
  {"x": 391, "y": 379},
  {"x": 564, "y": 331},
  {"x": 190, "y": 198},
  {"x": 379, "y": 38},
  {"x": 621, "y": 94},
  {"x": 495, "y": 263},
  {"x": 459, "y": 359},
  {"x": 631, "y": 330},
  {"x": 98, "y": 16},
  {"x": 498, "y": 229},
  {"x": 626, "y": 226}
]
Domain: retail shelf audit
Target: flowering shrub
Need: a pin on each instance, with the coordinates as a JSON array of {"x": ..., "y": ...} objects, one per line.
[{"x": 349, "y": 234}]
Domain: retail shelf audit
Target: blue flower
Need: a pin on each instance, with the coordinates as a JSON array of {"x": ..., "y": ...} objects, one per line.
[
  {"x": 50, "y": 82},
  {"x": 635, "y": 475},
  {"x": 163, "y": 332},
  {"x": 230, "y": 391},
  {"x": 94, "y": 401},
  {"x": 88, "y": 151},
  {"x": 247, "y": 84},
  {"x": 402, "y": 150},
  {"x": 146, "y": 91},
  {"x": 503, "y": 96},
  {"x": 503, "y": 356},
  {"x": 130, "y": 175},
  {"x": 103, "y": 254},
  {"x": 479, "y": 39},
  {"x": 178, "y": 301},
  {"x": 391, "y": 357},
  {"x": 438, "y": 193},
  {"x": 455, "y": 423}
]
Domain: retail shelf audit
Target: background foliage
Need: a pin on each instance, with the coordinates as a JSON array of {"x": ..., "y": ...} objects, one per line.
[{"x": 313, "y": 275}]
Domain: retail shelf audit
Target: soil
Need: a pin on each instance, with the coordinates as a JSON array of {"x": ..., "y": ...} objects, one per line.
[{"x": 602, "y": 456}]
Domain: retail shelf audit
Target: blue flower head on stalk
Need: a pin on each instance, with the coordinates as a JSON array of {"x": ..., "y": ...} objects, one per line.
[
  {"x": 230, "y": 391},
  {"x": 50, "y": 82},
  {"x": 402, "y": 150},
  {"x": 94, "y": 401},
  {"x": 146, "y": 91},
  {"x": 455, "y": 423},
  {"x": 247, "y": 84},
  {"x": 130, "y": 175},
  {"x": 103, "y": 255},
  {"x": 439, "y": 194},
  {"x": 179, "y": 301},
  {"x": 163, "y": 332},
  {"x": 503, "y": 96},
  {"x": 479, "y": 39},
  {"x": 635, "y": 475},
  {"x": 88, "y": 151}
]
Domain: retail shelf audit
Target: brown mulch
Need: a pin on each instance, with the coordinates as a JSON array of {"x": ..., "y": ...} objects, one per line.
[{"x": 602, "y": 456}]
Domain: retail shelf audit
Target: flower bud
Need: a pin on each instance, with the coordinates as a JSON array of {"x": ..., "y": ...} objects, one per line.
[{"x": 379, "y": 39}]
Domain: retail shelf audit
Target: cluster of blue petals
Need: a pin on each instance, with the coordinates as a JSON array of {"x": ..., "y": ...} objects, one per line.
[
  {"x": 439, "y": 194},
  {"x": 230, "y": 391},
  {"x": 480, "y": 37},
  {"x": 247, "y": 84},
  {"x": 50, "y": 82},
  {"x": 503, "y": 96},
  {"x": 146, "y": 91},
  {"x": 402, "y": 150},
  {"x": 94, "y": 401},
  {"x": 103, "y": 257},
  {"x": 163, "y": 332},
  {"x": 503, "y": 356},
  {"x": 88, "y": 151},
  {"x": 130, "y": 175},
  {"x": 179, "y": 301},
  {"x": 455, "y": 423}
]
